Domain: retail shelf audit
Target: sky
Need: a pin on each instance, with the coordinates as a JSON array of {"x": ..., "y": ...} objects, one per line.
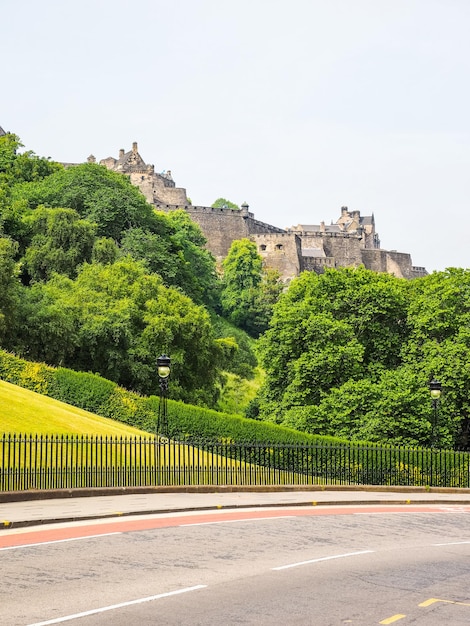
[{"x": 296, "y": 108}]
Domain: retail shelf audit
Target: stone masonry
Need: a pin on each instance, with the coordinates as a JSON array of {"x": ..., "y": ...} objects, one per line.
[{"x": 349, "y": 242}]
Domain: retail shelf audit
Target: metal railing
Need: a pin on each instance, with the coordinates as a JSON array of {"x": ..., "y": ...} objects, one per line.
[{"x": 55, "y": 462}]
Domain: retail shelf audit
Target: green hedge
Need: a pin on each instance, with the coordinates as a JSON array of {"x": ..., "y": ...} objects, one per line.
[
  {"x": 332, "y": 459},
  {"x": 96, "y": 394},
  {"x": 87, "y": 391},
  {"x": 184, "y": 419}
]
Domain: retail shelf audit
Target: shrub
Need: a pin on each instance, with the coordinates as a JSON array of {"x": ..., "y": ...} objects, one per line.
[
  {"x": 96, "y": 394},
  {"x": 87, "y": 391}
]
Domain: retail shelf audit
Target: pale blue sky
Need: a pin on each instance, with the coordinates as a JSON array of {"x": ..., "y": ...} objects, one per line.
[{"x": 295, "y": 107}]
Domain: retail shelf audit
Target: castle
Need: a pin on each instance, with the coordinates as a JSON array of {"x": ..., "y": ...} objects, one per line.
[{"x": 351, "y": 241}]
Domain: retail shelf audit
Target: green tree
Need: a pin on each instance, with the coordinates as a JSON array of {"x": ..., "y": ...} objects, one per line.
[
  {"x": 249, "y": 292},
  {"x": 199, "y": 279},
  {"x": 105, "y": 250},
  {"x": 60, "y": 242},
  {"x": 9, "y": 289},
  {"x": 439, "y": 345},
  {"x": 304, "y": 355},
  {"x": 105, "y": 198},
  {"x": 440, "y": 305},
  {"x": 392, "y": 409},
  {"x": 375, "y": 305},
  {"x": 368, "y": 377},
  {"x": 51, "y": 321},
  {"x": 114, "y": 319},
  {"x": 160, "y": 254},
  {"x": 222, "y": 203},
  {"x": 243, "y": 360},
  {"x": 16, "y": 167}
]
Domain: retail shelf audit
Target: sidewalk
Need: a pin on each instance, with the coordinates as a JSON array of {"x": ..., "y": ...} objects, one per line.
[{"x": 19, "y": 509}]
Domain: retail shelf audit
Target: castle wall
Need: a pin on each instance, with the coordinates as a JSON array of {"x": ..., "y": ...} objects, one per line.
[
  {"x": 157, "y": 190},
  {"x": 219, "y": 226},
  {"x": 345, "y": 248},
  {"x": 418, "y": 272},
  {"x": 222, "y": 226},
  {"x": 352, "y": 241},
  {"x": 169, "y": 195},
  {"x": 280, "y": 251},
  {"x": 390, "y": 262},
  {"x": 316, "y": 264}
]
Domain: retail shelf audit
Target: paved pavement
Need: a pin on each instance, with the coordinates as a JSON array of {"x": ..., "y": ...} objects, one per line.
[{"x": 35, "y": 508}]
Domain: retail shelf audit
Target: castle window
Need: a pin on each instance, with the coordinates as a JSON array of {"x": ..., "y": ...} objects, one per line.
[
  {"x": 279, "y": 246},
  {"x": 262, "y": 247}
]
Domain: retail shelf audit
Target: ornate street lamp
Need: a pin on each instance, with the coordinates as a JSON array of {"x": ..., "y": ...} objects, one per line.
[
  {"x": 163, "y": 370},
  {"x": 435, "y": 389}
]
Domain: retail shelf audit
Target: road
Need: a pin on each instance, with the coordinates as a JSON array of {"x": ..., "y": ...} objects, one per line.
[{"x": 324, "y": 566}]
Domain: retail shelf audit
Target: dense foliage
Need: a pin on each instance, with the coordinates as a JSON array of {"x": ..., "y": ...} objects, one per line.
[
  {"x": 95, "y": 279},
  {"x": 222, "y": 203},
  {"x": 351, "y": 352},
  {"x": 249, "y": 290},
  {"x": 98, "y": 395}
]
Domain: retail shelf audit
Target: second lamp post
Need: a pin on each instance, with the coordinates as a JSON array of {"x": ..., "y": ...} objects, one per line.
[
  {"x": 163, "y": 370},
  {"x": 435, "y": 389}
]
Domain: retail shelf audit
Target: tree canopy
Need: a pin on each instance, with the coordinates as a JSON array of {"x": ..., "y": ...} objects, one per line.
[
  {"x": 249, "y": 291},
  {"x": 115, "y": 319},
  {"x": 93, "y": 277},
  {"x": 222, "y": 203},
  {"x": 105, "y": 198},
  {"x": 351, "y": 353}
]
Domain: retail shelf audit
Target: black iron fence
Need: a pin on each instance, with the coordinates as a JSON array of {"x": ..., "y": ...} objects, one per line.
[{"x": 54, "y": 462}]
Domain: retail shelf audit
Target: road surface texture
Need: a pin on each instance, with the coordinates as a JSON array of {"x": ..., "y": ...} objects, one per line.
[{"x": 327, "y": 565}]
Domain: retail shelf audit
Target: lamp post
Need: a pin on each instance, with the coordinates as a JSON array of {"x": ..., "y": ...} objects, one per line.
[
  {"x": 163, "y": 370},
  {"x": 435, "y": 389}
]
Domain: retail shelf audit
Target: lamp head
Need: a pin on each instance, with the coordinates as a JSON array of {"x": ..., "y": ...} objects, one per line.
[
  {"x": 163, "y": 366},
  {"x": 435, "y": 389}
]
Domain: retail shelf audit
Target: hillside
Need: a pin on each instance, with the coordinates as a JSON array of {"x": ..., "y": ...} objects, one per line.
[{"x": 23, "y": 411}]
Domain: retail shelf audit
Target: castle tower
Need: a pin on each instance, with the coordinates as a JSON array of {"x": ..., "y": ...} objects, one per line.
[{"x": 158, "y": 189}]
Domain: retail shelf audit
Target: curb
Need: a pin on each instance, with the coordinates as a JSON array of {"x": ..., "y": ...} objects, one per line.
[
  {"x": 5, "y": 524},
  {"x": 53, "y": 494}
]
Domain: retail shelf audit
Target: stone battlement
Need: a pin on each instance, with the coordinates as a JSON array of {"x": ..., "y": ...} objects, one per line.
[{"x": 350, "y": 241}]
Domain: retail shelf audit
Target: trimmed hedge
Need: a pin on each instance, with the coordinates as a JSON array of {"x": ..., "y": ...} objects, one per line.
[
  {"x": 332, "y": 459},
  {"x": 98, "y": 395},
  {"x": 184, "y": 419}
]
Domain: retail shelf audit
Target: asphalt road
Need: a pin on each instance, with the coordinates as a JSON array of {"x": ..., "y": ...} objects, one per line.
[{"x": 317, "y": 566}]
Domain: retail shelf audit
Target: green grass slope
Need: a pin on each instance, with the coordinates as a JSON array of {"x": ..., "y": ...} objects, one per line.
[{"x": 23, "y": 411}]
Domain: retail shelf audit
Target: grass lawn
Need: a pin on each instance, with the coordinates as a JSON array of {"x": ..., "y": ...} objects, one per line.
[{"x": 27, "y": 412}]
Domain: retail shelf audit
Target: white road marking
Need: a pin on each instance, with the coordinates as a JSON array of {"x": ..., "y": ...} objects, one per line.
[
  {"x": 324, "y": 558},
  {"x": 389, "y": 513},
  {"x": 454, "y": 543},
  {"x": 48, "y": 543},
  {"x": 234, "y": 521},
  {"x": 112, "y": 607}
]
